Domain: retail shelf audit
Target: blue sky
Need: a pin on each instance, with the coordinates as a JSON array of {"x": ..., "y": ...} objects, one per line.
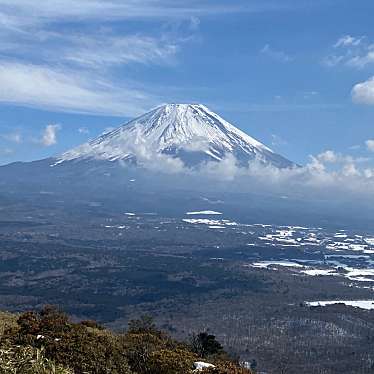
[{"x": 296, "y": 75}]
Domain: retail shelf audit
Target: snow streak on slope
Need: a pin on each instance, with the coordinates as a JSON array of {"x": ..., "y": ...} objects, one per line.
[{"x": 190, "y": 132}]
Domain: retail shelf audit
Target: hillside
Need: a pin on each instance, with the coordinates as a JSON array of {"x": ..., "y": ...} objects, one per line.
[{"x": 47, "y": 342}]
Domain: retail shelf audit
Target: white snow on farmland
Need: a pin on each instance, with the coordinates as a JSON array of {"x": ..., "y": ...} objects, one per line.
[
  {"x": 202, "y": 221},
  {"x": 369, "y": 241},
  {"x": 210, "y": 222},
  {"x": 362, "y": 304},
  {"x": 347, "y": 256},
  {"x": 204, "y": 213},
  {"x": 358, "y": 247},
  {"x": 316, "y": 272},
  {"x": 284, "y": 233},
  {"x": 266, "y": 264},
  {"x": 360, "y": 275},
  {"x": 339, "y": 235}
]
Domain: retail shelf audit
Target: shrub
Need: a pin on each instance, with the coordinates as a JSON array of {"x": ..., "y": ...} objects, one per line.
[
  {"x": 144, "y": 324},
  {"x": 88, "y": 352},
  {"x": 226, "y": 368},
  {"x": 92, "y": 324},
  {"x": 204, "y": 344},
  {"x": 48, "y": 343},
  {"x": 27, "y": 360},
  {"x": 139, "y": 348},
  {"x": 8, "y": 322},
  {"x": 72, "y": 345},
  {"x": 167, "y": 361},
  {"x": 49, "y": 324}
]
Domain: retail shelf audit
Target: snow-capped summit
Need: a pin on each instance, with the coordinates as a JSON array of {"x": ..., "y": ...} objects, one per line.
[{"x": 190, "y": 132}]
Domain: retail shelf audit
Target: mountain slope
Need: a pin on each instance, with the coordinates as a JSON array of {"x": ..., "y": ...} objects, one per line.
[{"x": 190, "y": 132}]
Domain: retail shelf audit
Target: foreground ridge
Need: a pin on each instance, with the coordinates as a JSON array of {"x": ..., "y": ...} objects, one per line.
[{"x": 48, "y": 342}]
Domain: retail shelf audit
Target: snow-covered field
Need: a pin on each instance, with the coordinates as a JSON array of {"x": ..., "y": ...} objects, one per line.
[
  {"x": 204, "y": 213},
  {"x": 212, "y": 223},
  {"x": 343, "y": 254},
  {"x": 307, "y": 252},
  {"x": 268, "y": 264},
  {"x": 362, "y": 304}
]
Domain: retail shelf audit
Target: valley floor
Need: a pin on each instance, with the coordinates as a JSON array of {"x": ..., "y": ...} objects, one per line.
[{"x": 256, "y": 286}]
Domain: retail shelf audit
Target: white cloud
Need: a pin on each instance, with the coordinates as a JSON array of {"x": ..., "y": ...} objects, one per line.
[
  {"x": 6, "y": 151},
  {"x": 350, "y": 170},
  {"x": 351, "y": 51},
  {"x": 106, "y": 50},
  {"x": 328, "y": 156},
  {"x": 369, "y": 173},
  {"x": 14, "y": 137},
  {"x": 363, "y": 93},
  {"x": 331, "y": 157},
  {"x": 49, "y": 136},
  {"x": 76, "y": 68},
  {"x": 363, "y": 60},
  {"x": 275, "y": 54},
  {"x": 15, "y": 12},
  {"x": 310, "y": 94},
  {"x": 194, "y": 23},
  {"x": 327, "y": 174},
  {"x": 370, "y": 145},
  {"x": 83, "y": 130},
  {"x": 67, "y": 90},
  {"x": 277, "y": 140},
  {"x": 314, "y": 179},
  {"x": 332, "y": 61},
  {"x": 348, "y": 40},
  {"x": 71, "y": 68}
]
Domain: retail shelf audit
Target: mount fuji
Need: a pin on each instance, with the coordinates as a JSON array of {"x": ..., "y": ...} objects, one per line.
[{"x": 190, "y": 132}]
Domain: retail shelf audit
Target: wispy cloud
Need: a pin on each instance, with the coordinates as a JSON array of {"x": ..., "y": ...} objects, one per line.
[
  {"x": 194, "y": 23},
  {"x": 356, "y": 52},
  {"x": 276, "y": 54},
  {"x": 107, "y": 50},
  {"x": 310, "y": 94},
  {"x": 276, "y": 107},
  {"x": 83, "y": 130},
  {"x": 44, "y": 65},
  {"x": 15, "y": 12},
  {"x": 4, "y": 151},
  {"x": 277, "y": 140},
  {"x": 67, "y": 90},
  {"x": 348, "y": 40},
  {"x": 14, "y": 137},
  {"x": 70, "y": 55}
]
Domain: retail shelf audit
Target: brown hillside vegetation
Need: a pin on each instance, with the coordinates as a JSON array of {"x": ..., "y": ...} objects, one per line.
[{"x": 47, "y": 342}]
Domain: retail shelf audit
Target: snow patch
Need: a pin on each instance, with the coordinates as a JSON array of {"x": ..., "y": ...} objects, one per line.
[
  {"x": 266, "y": 264},
  {"x": 200, "y": 365},
  {"x": 362, "y": 304},
  {"x": 204, "y": 213}
]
